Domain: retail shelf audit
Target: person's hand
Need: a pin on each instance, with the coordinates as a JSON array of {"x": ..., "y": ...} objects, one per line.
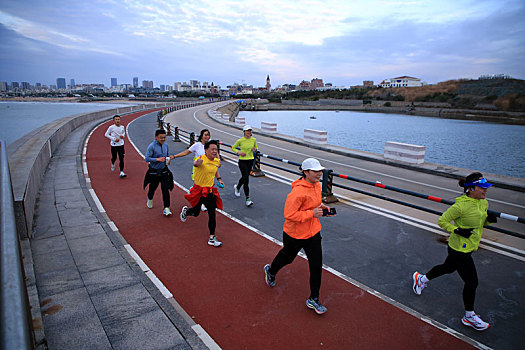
[
  {"x": 464, "y": 232},
  {"x": 161, "y": 159},
  {"x": 198, "y": 162},
  {"x": 254, "y": 149},
  {"x": 242, "y": 154},
  {"x": 492, "y": 218},
  {"x": 221, "y": 183},
  {"x": 318, "y": 212}
]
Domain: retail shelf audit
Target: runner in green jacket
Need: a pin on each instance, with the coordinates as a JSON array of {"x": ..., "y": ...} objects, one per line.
[{"x": 469, "y": 215}]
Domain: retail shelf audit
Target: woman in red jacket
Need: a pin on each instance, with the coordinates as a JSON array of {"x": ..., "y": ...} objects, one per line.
[{"x": 302, "y": 229}]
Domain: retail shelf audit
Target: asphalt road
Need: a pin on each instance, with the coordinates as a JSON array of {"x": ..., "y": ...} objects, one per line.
[{"x": 373, "y": 242}]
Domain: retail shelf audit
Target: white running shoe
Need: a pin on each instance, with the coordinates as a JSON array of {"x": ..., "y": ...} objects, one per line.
[
  {"x": 417, "y": 285},
  {"x": 203, "y": 207},
  {"x": 249, "y": 202},
  {"x": 166, "y": 211},
  {"x": 149, "y": 203},
  {"x": 183, "y": 214},
  {"x": 112, "y": 167},
  {"x": 237, "y": 192},
  {"x": 122, "y": 174},
  {"x": 214, "y": 241},
  {"x": 475, "y": 322}
]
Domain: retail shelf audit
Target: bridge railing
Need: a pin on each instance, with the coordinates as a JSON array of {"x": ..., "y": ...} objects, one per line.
[
  {"x": 328, "y": 183},
  {"x": 15, "y": 332}
]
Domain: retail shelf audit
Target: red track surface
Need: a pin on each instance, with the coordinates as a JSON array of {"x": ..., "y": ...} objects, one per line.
[{"x": 223, "y": 289}]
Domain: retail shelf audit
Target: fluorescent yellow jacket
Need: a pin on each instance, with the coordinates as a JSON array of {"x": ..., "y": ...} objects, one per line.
[
  {"x": 466, "y": 213},
  {"x": 246, "y": 146}
]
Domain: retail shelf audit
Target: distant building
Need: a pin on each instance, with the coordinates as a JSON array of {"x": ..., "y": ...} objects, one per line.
[
  {"x": 147, "y": 84},
  {"x": 404, "y": 81},
  {"x": 3, "y": 86},
  {"x": 26, "y": 85},
  {"x": 135, "y": 82},
  {"x": 114, "y": 82},
  {"x": 268, "y": 85},
  {"x": 162, "y": 87},
  {"x": 72, "y": 83},
  {"x": 316, "y": 83},
  {"x": 368, "y": 83},
  {"x": 304, "y": 85},
  {"x": 61, "y": 83},
  {"x": 14, "y": 85}
]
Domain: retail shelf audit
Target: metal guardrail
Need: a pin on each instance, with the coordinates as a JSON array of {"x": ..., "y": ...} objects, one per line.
[
  {"x": 15, "y": 329},
  {"x": 327, "y": 183}
]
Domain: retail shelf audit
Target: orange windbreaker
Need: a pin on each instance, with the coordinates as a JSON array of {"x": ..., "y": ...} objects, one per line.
[{"x": 299, "y": 221}]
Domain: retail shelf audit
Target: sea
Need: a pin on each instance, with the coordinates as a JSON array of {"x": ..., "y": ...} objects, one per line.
[
  {"x": 481, "y": 146},
  {"x": 20, "y": 118}
]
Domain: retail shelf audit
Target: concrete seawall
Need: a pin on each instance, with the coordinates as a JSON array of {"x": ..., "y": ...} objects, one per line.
[{"x": 29, "y": 157}]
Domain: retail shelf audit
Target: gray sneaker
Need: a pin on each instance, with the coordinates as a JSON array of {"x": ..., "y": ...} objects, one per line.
[
  {"x": 183, "y": 214},
  {"x": 237, "y": 192},
  {"x": 214, "y": 241},
  {"x": 316, "y": 305},
  {"x": 249, "y": 202}
]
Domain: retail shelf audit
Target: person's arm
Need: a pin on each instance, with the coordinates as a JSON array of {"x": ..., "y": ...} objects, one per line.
[
  {"x": 291, "y": 208},
  {"x": 182, "y": 154},
  {"x": 235, "y": 145},
  {"x": 108, "y": 133},
  {"x": 452, "y": 214},
  {"x": 149, "y": 155},
  {"x": 197, "y": 162},
  {"x": 123, "y": 132},
  {"x": 218, "y": 177}
]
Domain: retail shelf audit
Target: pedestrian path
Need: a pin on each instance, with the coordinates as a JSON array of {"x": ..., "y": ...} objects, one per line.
[
  {"x": 223, "y": 289},
  {"x": 92, "y": 293}
]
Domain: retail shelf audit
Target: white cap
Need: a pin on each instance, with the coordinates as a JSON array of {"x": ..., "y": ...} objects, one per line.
[
  {"x": 246, "y": 127},
  {"x": 311, "y": 164}
]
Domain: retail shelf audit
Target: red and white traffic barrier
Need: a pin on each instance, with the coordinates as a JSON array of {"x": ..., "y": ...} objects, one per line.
[
  {"x": 316, "y": 136},
  {"x": 269, "y": 126},
  {"x": 404, "y": 152}
]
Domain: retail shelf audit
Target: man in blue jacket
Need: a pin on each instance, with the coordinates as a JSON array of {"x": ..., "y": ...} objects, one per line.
[{"x": 157, "y": 155}]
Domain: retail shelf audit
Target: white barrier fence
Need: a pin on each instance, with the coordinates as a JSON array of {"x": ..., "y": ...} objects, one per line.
[
  {"x": 269, "y": 126},
  {"x": 316, "y": 136},
  {"x": 240, "y": 120},
  {"x": 404, "y": 152}
]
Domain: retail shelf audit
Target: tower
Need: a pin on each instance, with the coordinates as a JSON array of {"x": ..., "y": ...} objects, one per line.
[{"x": 268, "y": 85}]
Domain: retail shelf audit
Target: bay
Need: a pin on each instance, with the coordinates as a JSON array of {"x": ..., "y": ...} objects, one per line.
[
  {"x": 486, "y": 147},
  {"x": 20, "y": 118}
]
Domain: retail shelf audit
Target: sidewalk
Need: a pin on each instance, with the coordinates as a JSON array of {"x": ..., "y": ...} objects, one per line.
[{"x": 92, "y": 294}]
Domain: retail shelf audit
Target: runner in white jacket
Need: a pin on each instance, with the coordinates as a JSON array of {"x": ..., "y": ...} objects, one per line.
[{"x": 116, "y": 134}]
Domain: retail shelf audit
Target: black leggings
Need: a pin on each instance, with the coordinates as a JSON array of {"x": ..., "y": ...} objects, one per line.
[
  {"x": 314, "y": 253},
  {"x": 164, "y": 186},
  {"x": 245, "y": 165},
  {"x": 210, "y": 204},
  {"x": 464, "y": 264},
  {"x": 120, "y": 151}
]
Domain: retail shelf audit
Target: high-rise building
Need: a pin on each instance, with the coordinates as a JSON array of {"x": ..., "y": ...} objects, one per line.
[
  {"x": 136, "y": 82},
  {"x": 26, "y": 85},
  {"x": 3, "y": 85},
  {"x": 72, "y": 83},
  {"x": 61, "y": 83},
  {"x": 113, "y": 82},
  {"x": 268, "y": 85},
  {"x": 14, "y": 85},
  {"x": 162, "y": 87}
]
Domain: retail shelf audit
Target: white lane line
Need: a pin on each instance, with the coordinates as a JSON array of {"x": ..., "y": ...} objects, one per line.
[
  {"x": 352, "y": 166},
  {"x": 205, "y": 337},
  {"x": 97, "y": 201},
  {"x": 112, "y": 225},
  {"x": 137, "y": 258},
  {"x": 160, "y": 286}
]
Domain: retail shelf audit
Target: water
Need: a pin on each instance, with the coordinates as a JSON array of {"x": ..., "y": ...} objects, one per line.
[
  {"x": 481, "y": 146},
  {"x": 19, "y": 118}
]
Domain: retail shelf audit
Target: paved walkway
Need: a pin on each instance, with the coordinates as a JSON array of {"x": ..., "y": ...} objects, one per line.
[{"x": 92, "y": 294}]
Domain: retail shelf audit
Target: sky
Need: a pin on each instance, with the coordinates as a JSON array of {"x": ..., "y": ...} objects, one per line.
[{"x": 221, "y": 41}]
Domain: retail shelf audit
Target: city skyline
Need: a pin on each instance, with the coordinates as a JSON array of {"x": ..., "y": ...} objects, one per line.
[{"x": 227, "y": 42}]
